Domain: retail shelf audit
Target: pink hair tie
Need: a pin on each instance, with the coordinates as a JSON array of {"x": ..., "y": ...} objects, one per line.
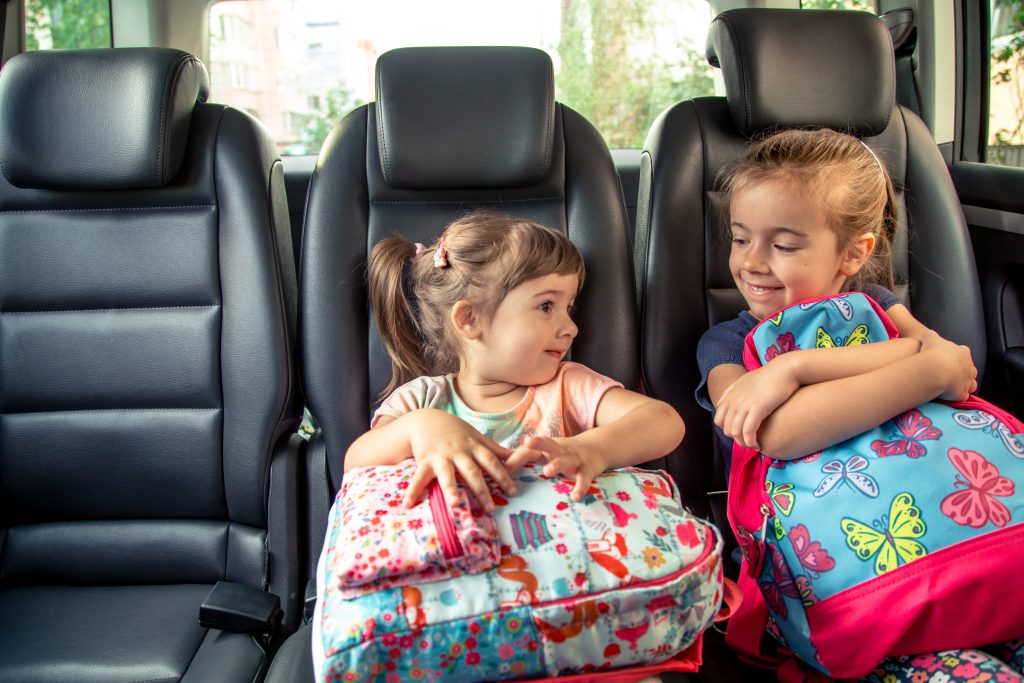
[
  {"x": 441, "y": 255},
  {"x": 421, "y": 249}
]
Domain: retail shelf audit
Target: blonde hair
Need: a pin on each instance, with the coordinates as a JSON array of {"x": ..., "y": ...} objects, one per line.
[
  {"x": 488, "y": 254},
  {"x": 843, "y": 176}
]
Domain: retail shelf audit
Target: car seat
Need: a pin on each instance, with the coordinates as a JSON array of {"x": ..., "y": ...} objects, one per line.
[
  {"x": 147, "y": 380},
  {"x": 782, "y": 69}
]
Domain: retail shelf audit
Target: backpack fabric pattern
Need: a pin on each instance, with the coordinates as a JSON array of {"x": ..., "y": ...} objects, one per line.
[
  {"x": 915, "y": 524},
  {"x": 545, "y": 586}
]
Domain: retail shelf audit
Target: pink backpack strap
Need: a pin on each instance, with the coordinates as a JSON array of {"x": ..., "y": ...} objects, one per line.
[{"x": 748, "y": 620}]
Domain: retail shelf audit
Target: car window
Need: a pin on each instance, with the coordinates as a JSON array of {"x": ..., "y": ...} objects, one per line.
[
  {"x": 300, "y": 65},
  {"x": 1006, "y": 90},
  {"x": 61, "y": 24},
  {"x": 864, "y": 5}
]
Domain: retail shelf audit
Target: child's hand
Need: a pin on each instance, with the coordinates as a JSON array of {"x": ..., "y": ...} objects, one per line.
[
  {"x": 954, "y": 363},
  {"x": 563, "y": 457},
  {"x": 748, "y": 401},
  {"x": 443, "y": 446}
]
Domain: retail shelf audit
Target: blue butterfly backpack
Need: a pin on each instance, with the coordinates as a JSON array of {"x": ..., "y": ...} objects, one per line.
[{"x": 904, "y": 539}]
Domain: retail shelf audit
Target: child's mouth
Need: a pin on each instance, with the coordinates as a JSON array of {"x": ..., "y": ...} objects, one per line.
[{"x": 755, "y": 289}]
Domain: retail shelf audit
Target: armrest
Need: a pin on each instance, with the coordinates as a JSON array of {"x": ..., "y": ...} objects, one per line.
[{"x": 240, "y": 608}]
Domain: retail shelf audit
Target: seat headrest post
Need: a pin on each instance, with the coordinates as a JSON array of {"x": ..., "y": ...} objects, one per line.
[
  {"x": 465, "y": 117},
  {"x": 105, "y": 119},
  {"x": 805, "y": 68}
]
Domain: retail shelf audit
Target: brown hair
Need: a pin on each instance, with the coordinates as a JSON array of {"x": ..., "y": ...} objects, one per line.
[
  {"x": 488, "y": 255},
  {"x": 843, "y": 175}
]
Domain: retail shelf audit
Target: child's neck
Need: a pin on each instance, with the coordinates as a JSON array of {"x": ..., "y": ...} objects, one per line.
[{"x": 485, "y": 396}]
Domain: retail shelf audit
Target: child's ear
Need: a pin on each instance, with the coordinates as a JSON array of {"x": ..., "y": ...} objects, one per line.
[
  {"x": 466, "y": 319},
  {"x": 857, "y": 253}
]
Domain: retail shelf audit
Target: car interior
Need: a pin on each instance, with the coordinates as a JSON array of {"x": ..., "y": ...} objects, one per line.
[{"x": 174, "y": 294}]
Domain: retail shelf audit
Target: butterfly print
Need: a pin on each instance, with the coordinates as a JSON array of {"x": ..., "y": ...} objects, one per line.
[
  {"x": 912, "y": 427},
  {"x": 784, "y": 343},
  {"x": 976, "y": 505},
  {"x": 803, "y": 587},
  {"x": 781, "y": 464},
  {"x": 812, "y": 556},
  {"x": 988, "y": 423},
  {"x": 857, "y": 337},
  {"x": 781, "y": 496},
  {"x": 850, "y": 473},
  {"x": 781, "y": 583},
  {"x": 893, "y": 537},
  {"x": 841, "y": 304}
]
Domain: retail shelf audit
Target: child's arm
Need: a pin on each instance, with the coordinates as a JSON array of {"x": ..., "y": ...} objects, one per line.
[
  {"x": 819, "y": 415},
  {"x": 443, "y": 446},
  {"x": 629, "y": 429},
  {"x": 743, "y": 400}
]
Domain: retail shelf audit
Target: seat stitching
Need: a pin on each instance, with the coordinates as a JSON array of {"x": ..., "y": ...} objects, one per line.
[
  {"x": 128, "y": 308},
  {"x": 467, "y": 201},
  {"x": 107, "y": 410},
  {"x": 112, "y": 208}
]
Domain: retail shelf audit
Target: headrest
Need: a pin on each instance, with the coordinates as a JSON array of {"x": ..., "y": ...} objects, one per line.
[
  {"x": 97, "y": 119},
  {"x": 465, "y": 117},
  {"x": 805, "y": 68}
]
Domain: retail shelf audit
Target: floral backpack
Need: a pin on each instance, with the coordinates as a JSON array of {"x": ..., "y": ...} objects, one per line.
[
  {"x": 904, "y": 539},
  {"x": 543, "y": 587}
]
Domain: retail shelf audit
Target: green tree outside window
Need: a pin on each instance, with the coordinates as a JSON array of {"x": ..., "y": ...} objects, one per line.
[
  {"x": 56, "y": 24},
  {"x": 605, "y": 77},
  {"x": 862, "y": 5},
  {"x": 1006, "y": 115}
]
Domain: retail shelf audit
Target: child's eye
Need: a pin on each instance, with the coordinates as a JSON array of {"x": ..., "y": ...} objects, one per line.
[
  {"x": 547, "y": 306},
  {"x": 739, "y": 241},
  {"x": 786, "y": 249}
]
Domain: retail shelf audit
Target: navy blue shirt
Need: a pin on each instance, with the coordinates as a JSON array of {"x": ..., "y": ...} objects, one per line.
[{"x": 723, "y": 343}]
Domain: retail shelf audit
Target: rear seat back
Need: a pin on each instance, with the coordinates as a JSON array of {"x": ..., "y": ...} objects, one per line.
[
  {"x": 782, "y": 69},
  {"x": 147, "y": 308}
]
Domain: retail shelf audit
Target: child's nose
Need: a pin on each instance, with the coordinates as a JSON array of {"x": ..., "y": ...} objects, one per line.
[
  {"x": 755, "y": 260},
  {"x": 569, "y": 327}
]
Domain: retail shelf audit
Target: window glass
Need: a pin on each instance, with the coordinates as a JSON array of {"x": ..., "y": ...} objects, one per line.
[
  {"x": 863, "y": 5},
  {"x": 301, "y": 65},
  {"x": 58, "y": 24},
  {"x": 1006, "y": 91}
]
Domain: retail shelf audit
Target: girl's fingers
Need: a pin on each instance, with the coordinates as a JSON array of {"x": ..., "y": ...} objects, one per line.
[
  {"x": 495, "y": 468},
  {"x": 521, "y": 456},
  {"x": 421, "y": 478},
  {"x": 563, "y": 465},
  {"x": 470, "y": 473},
  {"x": 583, "y": 481},
  {"x": 545, "y": 444},
  {"x": 750, "y": 426},
  {"x": 493, "y": 447},
  {"x": 445, "y": 473}
]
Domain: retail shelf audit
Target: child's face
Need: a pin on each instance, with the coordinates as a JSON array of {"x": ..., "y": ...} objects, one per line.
[
  {"x": 530, "y": 332},
  {"x": 783, "y": 250}
]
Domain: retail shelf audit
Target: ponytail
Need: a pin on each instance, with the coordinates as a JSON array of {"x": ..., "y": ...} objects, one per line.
[{"x": 394, "y": 310}]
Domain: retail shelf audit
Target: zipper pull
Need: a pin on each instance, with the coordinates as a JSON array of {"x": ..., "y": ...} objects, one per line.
[{"x": 765, "y": 511}]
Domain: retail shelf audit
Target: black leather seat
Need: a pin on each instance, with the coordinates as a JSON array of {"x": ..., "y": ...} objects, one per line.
[
  {"x": 452, "y": 129},
  {"x": 782, "y": 69},
  {"x": 147, "y": 306}
]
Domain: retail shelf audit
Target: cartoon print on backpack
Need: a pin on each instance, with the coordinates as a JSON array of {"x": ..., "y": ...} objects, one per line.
[
  {"x": 851, "y": 473},
  {"x": 893, "y": 537},
  {"x": 912, "y": 427},
  {"x": 989, "y": 424},
  {"x": 976, "y": 506}
]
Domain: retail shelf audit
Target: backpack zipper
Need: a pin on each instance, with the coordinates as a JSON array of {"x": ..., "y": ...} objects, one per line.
[{"x": 450, "y": 544}]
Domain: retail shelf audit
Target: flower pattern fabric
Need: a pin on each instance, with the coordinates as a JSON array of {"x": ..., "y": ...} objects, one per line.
[{"x": 610, "y": 581}]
